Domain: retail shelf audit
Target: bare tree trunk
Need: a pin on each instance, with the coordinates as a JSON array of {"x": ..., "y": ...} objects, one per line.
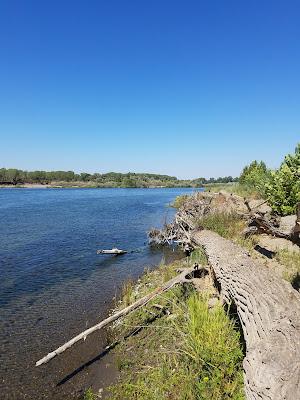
[{"x": 269, "y": 311}]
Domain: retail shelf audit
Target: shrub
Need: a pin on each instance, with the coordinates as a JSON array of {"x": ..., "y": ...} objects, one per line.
[
  {"x": 283, "y": 189},
  {"x": 255, "y": 175}
]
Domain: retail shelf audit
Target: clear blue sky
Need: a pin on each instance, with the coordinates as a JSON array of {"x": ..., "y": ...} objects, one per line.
[{"x": 186, "y": 88}]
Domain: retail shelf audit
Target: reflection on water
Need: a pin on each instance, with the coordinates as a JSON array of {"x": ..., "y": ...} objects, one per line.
[{"x": 53, "y": 285}]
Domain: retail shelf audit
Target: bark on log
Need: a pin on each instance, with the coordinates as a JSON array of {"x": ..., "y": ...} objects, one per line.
[
  {"x": 269, "y": 311},
  {"x": 139, "y": 303},
  {"x": 296, "y": 230}
]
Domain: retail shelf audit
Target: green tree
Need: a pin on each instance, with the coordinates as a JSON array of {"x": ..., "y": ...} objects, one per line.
[
  {"x": 283, "y": 189},
  {"x": 14, "y": 176},
  {"x": 255, "y": 175},
  {"x": 128, "y": 182}
]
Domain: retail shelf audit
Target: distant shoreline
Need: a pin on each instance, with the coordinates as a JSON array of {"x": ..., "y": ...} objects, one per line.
[{"x": 79, "y": 185}]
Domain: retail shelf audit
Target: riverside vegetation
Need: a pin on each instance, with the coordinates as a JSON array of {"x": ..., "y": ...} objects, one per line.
[
  {"x": 180, "y": 348},
  {"x": 185, "y": 347},
  {"x": 281, "y": 187}
]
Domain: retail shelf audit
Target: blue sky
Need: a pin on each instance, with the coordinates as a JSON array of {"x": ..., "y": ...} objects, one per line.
[{"x": 186, "y": 88}]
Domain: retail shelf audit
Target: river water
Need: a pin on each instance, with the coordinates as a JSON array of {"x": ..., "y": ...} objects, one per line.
[{"x": 53, "y": 285}]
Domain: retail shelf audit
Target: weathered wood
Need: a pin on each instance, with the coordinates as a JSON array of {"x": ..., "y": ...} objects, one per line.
[
  {"x": 139, "y": 303},
  {"x": 264, "y": 225},
  {"x": 296, "y": 230},
  {"x": 269, "y": 310},
  {"x": 112, "y": 251}
]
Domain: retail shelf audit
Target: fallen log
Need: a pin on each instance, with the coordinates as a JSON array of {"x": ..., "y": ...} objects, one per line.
[
  {"x": 181, "y": 278},
  {"x": 269, "y": 311},
  {"x": 264, "y": 225}
]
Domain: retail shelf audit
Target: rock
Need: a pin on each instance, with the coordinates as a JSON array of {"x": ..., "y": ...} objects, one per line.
[
  {"x": 287, "y": 224},
  {"x": 276, "y": 244},
  {"x": 260, "y": 206}
]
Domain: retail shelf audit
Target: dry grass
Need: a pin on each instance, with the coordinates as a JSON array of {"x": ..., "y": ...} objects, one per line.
[
  {"x": 291, "y": 261},
  {"x": 236, "y": 188}
]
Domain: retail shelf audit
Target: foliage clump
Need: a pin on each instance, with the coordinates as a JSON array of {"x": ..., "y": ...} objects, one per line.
[
  {"x": 255, "y": 176},
  {"x": 283, "y": 188}
]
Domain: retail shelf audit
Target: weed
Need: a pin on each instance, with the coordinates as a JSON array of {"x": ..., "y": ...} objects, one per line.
[
  {"x": 89, "y": 395},
  {"x": 228, "y": 225}
]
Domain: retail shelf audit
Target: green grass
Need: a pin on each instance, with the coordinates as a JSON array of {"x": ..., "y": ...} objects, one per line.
[
  {"x": 89, "y": 395},
  {"x": 188, "y": 352},
  {"x": 179, "y": 200},
  {"x": 198, "y": 256},
  {"x": 228, "y": 225}
]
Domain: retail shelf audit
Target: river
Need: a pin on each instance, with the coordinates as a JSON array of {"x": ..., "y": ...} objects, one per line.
[{"x": 53, "y": 285}]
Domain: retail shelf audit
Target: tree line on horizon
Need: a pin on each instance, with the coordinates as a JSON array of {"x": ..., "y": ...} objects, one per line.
[{"x": 15, "y": 176}]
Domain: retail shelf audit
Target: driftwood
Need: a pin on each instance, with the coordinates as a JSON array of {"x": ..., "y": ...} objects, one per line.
[
  {"x": 269, "y": 311},
  {"x": 181, "y": 278},
  {"x": 189, "y": 215},
  {"x": 259, "y": 222},
  {"x": 112, "y": 251}
]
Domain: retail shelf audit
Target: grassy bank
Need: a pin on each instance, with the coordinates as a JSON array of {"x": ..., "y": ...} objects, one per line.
[{"x": 178, "y": 347}]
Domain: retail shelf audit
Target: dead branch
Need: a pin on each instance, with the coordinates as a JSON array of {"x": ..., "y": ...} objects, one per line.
[{"x": 181, "y": 278}]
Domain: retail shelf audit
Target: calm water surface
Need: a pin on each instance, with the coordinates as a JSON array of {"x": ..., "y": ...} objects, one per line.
[{"x": 53, "y": 285}]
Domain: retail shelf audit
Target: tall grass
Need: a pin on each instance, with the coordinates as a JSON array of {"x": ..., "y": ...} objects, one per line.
[
  {"x": 213, "y": 347},
  {"x": 228, "y": 225},
  {"x": 190, "y": 352},
  {"x": 179, "y": 200}
]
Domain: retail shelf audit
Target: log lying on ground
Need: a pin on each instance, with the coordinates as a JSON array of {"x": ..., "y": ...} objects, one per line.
[
  {"x": 181, "y": 278},
  {"x": 264, "y": 225},
  {"x": 269, "y": 311}
]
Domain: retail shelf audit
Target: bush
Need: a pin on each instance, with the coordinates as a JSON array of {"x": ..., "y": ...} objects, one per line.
[
  {"x": 283, "y": 188},
  {"x": 256, "y": 175}
]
